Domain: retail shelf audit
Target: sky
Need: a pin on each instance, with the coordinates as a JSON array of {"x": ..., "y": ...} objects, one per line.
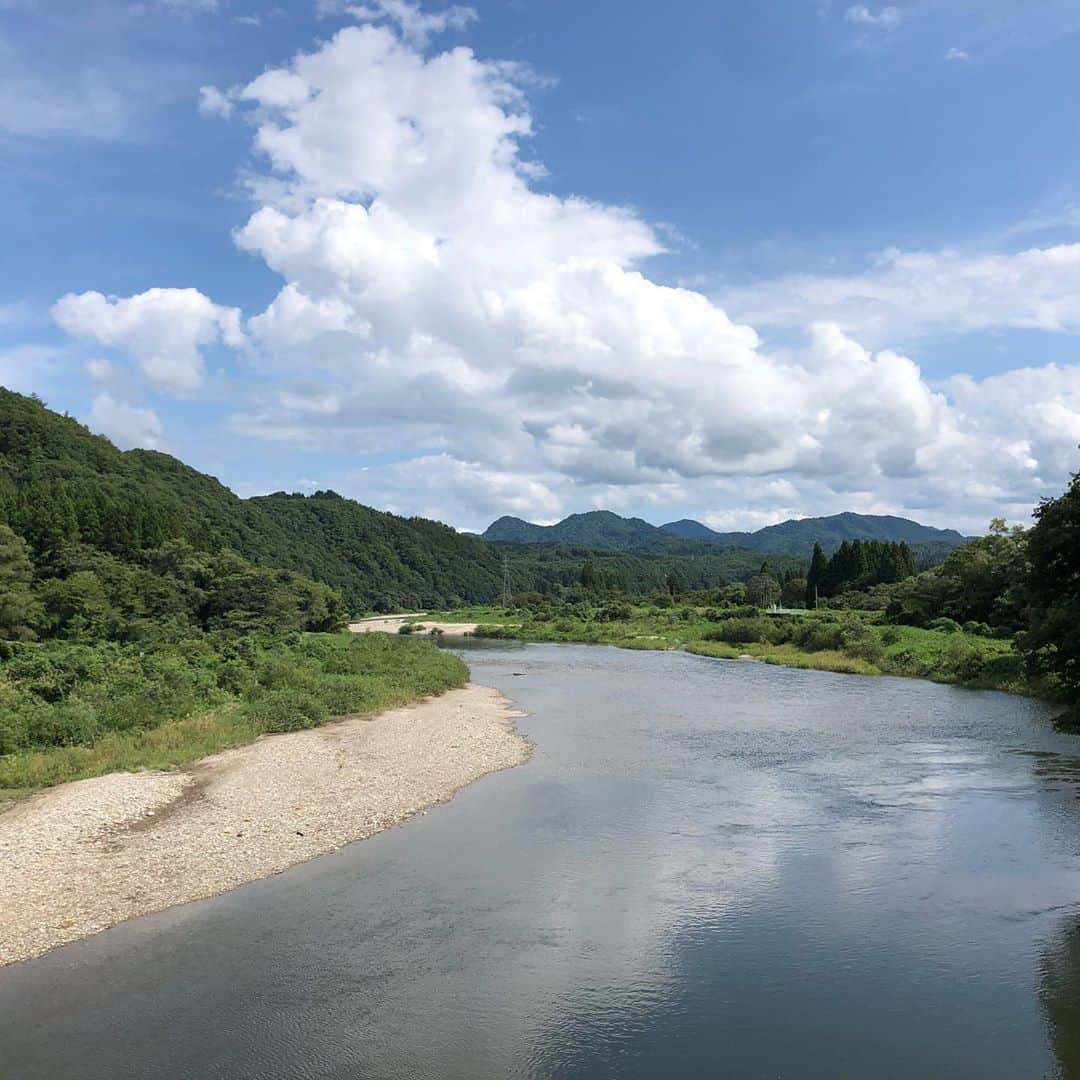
[{"x": 737, "y": 262}]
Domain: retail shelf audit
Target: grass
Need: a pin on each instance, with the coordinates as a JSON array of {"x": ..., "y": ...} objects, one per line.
[
  {"x": 868, "y": 646},
  {"x": 787, "y": 656},
  {"x": 287, "y": 685}
]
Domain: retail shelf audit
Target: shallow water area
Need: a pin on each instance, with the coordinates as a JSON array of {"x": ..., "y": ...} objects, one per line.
[{"x": 708, "y": 868}]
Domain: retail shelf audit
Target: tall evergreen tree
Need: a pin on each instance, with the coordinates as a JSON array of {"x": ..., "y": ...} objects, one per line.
[{"x": 818, "y": 565}]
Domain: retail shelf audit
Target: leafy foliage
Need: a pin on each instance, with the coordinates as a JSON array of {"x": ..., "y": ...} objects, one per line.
[
  {"x": 60, "y": 702},
  {"x": 1052, "y": 641}
]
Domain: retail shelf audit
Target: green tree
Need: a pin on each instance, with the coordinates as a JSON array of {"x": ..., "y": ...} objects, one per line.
[
  {"x": 20, "y": 610},
  {"x": 762, "y": 590},
  {"x": 1052, "y": 642},
  {"x": 793, "y": 592},
  {"x": 818, "y": 564}
]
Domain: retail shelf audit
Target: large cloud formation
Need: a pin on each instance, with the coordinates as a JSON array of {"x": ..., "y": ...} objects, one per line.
[{"x": 436, "y": 297}]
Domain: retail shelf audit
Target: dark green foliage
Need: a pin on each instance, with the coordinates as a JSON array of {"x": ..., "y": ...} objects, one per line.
[
  {"x": 62, "y": 488},
  {"x": 286, "y": 710},
  {"x": 858, "y": 565},
  {"x": 1052, "y": 641},
  {"x": 69, "y": 694},
  {"x": 596, "y": 529},
  {"x": 20, "y": 610},
  {"x": 985, "y": 581}
]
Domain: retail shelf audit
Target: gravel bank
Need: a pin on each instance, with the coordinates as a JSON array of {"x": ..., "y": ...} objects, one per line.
[
  {"x": 391, "y": 624},
  {"x": 85, "y": 856}
]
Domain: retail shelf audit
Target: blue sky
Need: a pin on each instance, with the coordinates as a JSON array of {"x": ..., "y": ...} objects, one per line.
[{"x": 724, "y": 260}]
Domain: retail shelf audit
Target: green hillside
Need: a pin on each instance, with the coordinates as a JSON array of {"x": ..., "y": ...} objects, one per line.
[
  {"x": 596, "y": 529},
  {"x": 64, "y": 490},
  {"x": 799, "y": 537}
]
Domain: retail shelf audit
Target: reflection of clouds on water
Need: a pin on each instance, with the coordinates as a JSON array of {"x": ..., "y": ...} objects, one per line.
[{"x": 702, "y": 858}]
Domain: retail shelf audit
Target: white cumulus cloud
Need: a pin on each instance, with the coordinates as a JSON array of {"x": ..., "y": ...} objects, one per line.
[
  {"x": 509, "y": 344},
  {"x": 163, "y": 330}
]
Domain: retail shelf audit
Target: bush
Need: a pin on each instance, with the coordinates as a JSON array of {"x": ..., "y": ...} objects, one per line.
[
  {"x": 284, "y": 673},
  {"x": 979, "y": 629},
  {"x": 71, "y": 723},
  {"x": 816, "y": 635},
  {"x": 861, "y": 641},
  {"x": 944, "y": 625},
  {"x": 906, "y": 660},
  {"x": 286, "y": 710},
  {"x": 345, "y": 694},
  {"x": 890, "y": 635},
  {"x": 965, "y": 661}
]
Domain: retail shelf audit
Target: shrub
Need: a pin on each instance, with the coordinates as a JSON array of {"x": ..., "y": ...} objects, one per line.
[
  {"x": 286, "y": 710},
  {"x": 861, "y": 641},
  {"x": 890, "y": 635},
  {"x": 944, "y": 625},
  {"x": 905, "y": 660},
  {"x": 979, "y": 629},
  {"x": 964, "y": 660},
  {"x": 816, "y": 635},
  {"x": 70, "y": 723},
  {"x": 284, "y": 673},
  {"x": 345, "y": 694}
]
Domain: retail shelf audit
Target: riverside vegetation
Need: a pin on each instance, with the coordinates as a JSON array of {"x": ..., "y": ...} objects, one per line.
[
  {"x": 149, "y": 616},
  {"x": 1001, "y": 612}
]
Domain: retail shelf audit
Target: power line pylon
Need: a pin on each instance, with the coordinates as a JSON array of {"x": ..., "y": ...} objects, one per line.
[{"x": 507, "y": 596}]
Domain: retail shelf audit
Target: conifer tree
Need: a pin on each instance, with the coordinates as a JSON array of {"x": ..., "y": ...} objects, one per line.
[{"x": 814, "y": 575}]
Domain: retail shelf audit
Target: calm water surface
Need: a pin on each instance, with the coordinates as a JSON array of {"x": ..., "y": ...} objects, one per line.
[{"x": 708, "y": 869}]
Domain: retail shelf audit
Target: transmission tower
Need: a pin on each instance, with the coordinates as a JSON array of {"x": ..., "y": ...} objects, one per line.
[{"x": 507, "y": 596}]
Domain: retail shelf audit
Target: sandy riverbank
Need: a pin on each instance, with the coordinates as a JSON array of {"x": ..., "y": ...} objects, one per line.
[
  {"x": 391, "y": 624},
  {"x": 84, "y": 856}
]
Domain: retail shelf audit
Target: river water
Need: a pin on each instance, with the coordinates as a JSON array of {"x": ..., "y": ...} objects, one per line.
[{"x": 708, "y": 869}]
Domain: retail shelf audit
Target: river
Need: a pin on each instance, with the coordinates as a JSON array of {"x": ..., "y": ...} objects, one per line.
[{"x": 708, "y": 869}]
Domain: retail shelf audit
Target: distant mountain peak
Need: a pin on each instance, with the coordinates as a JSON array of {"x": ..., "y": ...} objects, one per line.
[{"x": 605, "y": 529}]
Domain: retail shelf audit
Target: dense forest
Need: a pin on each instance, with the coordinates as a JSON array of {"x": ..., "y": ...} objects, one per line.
[
  {"x": 78, "y": 502},
  {"x": 857, "y": 565}
]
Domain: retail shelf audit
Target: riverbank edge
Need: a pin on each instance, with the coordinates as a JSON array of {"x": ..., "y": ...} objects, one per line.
[
  {"x": 797, "y": 659},
  {"x": 81, "y": 857}
]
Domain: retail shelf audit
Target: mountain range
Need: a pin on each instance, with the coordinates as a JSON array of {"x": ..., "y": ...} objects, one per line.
[
  {"x": 604, "y": 529},
  {"x": 80, "y": 503}
]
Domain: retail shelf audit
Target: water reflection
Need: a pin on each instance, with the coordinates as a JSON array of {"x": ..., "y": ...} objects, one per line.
[
  {"x": 1060, "y": 995},
  {"x": 706, "y": 869}
]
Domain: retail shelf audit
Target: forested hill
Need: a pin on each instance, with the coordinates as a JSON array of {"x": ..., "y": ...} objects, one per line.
[
  {"x": 61, "y": 485},
  {"x": 64, "y": 489},
  {"x": 603, "y": 529},
  {"x": 596, "y": 529},
  {"x": 798, "y": 537}
]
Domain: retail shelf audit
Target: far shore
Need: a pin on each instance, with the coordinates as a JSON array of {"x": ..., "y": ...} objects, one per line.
[
  {"x": 84, "y": 856},
  {"x": 392, "y": 624}
]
